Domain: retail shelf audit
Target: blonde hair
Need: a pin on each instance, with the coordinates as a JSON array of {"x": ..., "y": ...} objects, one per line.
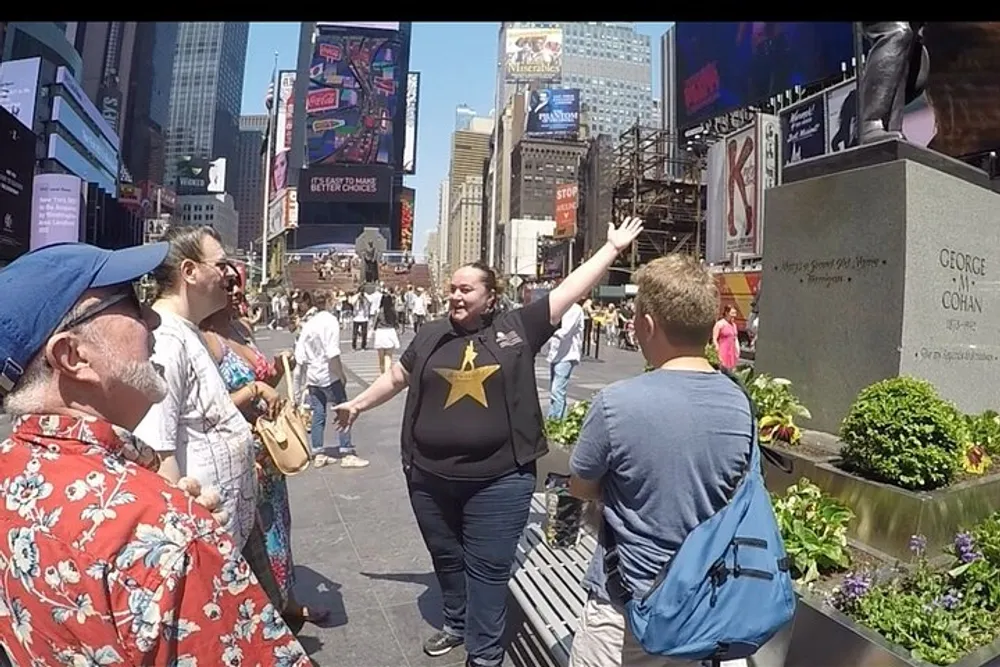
[{"x": 681, "y": 296}]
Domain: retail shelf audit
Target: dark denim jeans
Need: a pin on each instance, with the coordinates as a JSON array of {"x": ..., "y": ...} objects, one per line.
[
  {"x": 471, "y": 530},
  {"x": 318, "y": 398}
]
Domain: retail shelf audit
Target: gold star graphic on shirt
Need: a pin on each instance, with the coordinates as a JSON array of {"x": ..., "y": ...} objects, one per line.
[{"x": 467, "y": 380}]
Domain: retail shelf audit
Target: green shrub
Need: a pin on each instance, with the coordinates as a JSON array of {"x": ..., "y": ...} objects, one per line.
[
  {"x": 712, "y": 355},
  {"x": 566, "y": 431},
  {"x": 899, "y": 431},
  {"x": 814, "y": 530}
]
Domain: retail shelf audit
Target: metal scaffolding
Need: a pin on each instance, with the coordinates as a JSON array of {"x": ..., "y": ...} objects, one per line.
[{"x": 660, "y": 182}]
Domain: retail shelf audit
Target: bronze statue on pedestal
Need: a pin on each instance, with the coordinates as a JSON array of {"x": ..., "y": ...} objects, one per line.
[{"x": 894, "y": 74}]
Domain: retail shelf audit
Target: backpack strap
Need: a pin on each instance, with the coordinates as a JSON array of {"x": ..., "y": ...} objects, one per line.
[{"x": 615, "y": 584}]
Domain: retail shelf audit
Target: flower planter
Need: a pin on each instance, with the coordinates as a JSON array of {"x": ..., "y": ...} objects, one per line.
[
  {"x": 887, "y": 516},
  {"x": 799, "y": 461},
  {"x": 823, "y": 636}
]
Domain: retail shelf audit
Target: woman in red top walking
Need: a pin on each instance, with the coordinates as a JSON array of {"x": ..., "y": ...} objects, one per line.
[{"x": 725, "y": 338}]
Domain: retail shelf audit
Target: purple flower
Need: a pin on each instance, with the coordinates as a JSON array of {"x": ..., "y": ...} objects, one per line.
[
  {"x": 918, "y": 544},
  {"x": 965, "y": 548},
  {"x": 854, "y": 587},
  {"x": 949, "y": 600}
]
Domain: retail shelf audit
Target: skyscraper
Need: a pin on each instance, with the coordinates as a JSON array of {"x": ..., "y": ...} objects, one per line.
[
  {"x": 248, "y": 190},
  {"x": 610, "y": 63},
  {"x": 206, "y": 92},
  {"x": 148, "y": 111},
  {"x": 463, "y": 117}
]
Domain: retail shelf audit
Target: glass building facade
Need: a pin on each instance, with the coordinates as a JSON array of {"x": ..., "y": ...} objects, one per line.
[{"x": 206, "y": 92}]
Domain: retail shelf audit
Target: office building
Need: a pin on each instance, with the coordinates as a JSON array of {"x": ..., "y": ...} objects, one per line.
[
  {"x": 611, "y": 65},
  {"x": 469, "y": 150},
  {"x": 148, "y": 111},
  {"x": 248, "y": 189},
  {"x": 668, "y": 95},
  {"x": 463, "y": 117},
  {"x": 215, "y": 210},
  {"x": 206, "y": 92},
  {"x": 465, "y": 222},
  {"x": 537, "y": 167},
  {"x": 45, "y": 39},
  {"x": 107, "y": 51},
  {"x": 444, "y": 212}
]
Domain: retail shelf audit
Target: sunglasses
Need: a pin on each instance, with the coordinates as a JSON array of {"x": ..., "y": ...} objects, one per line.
[{"x": 126, "y": 295}]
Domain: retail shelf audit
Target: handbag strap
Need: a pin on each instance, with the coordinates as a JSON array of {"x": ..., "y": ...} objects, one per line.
[{"x": 288, "y": 378}]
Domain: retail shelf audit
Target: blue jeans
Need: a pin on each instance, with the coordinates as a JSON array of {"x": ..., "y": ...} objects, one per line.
[
  {"x": 471, "y": 529},
  {"x": 558, "y": 384},
  {"x": 318, "y": 399}
]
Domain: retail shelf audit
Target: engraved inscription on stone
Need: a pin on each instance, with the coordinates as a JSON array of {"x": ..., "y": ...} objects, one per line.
[{"x": 829, "y": 271}]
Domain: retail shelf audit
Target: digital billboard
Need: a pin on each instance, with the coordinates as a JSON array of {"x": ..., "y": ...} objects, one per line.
[
  {"x": 364, "y": 25},
  {"x": 352, "y": 99},
  {"x": 17, "y": 173},
  {"x": 533, "y": 54},
  {"x": 553, "y": 111},
  {"x": 726, "y": 66},
  {"x": 364, "y": 184},
  {"x": 286, "y": 111},
  {"x": 410, "y": 140},
  {"x": 19, "y": 88},
  {"x": 407, "y": 201},
  {"x": 197, "y": 177},
  {"x": 56, "y": 205}
]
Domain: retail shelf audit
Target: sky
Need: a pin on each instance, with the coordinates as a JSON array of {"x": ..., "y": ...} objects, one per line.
[{"x": 456, "y": 65}]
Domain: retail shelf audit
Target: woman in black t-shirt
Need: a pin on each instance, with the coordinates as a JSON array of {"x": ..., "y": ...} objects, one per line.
[{"x": 471, "y": 434}]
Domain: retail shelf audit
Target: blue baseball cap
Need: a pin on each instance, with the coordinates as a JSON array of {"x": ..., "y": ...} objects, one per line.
[{"x": 40, "y": 288}]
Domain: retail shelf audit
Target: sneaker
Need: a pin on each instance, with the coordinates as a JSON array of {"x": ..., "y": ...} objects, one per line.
[
  {"x": 353, "y": 461},
  {"x": 320, "y": 460},
  {"x": 440, "y": 643}
]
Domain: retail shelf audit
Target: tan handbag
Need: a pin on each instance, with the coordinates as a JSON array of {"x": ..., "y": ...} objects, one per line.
[{"x": 285, "y": 436}]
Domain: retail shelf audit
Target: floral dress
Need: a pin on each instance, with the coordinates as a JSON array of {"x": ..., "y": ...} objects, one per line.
[{"x": 272, "y": 499}]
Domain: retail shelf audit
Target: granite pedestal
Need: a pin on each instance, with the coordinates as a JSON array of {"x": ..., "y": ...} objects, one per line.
[{"x": 883, "y": 270}]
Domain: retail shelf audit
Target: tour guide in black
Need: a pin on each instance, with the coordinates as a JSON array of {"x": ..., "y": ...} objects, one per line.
[{"x": 472, "y": 430}]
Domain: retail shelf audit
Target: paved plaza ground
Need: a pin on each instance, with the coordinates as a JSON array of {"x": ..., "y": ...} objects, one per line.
[{"x": 356, "y": 545}]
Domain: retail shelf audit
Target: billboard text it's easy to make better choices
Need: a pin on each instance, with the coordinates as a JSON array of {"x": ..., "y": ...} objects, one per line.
[
  {"x": 533, "y": 54},
  {"x": 355, "y": 87}
]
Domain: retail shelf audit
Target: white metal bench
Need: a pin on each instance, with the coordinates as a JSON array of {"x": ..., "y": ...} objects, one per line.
[{"x": 546, "y": 585}]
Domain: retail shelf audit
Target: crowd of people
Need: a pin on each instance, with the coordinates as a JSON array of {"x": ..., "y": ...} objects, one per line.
[{"x": 147, "y": 524}]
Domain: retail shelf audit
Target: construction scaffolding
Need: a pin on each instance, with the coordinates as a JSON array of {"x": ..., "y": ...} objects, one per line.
[{"x": 658, "y": 181}]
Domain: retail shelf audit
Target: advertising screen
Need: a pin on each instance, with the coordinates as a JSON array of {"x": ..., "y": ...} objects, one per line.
[
  {"x": 346, "y": 183},
  {"x": 407, "y": 200},
  {"x": 410, "y": 140},
  {"x": 56, "y": 205},
  {"x": 65, "y": 154},
  {"x": 553, "y": 111},
  {"x": 286, "y": 111},
  {"x": 103, "y": 152},
  {"x": 566, "y": 203},
  {"x": 533, "y": 54},
  {"x": 366, "y": 25},
  {"x": 725, "y": 66},
  {"x": 198, "y": 177},
  {"x": 17, "y": 173},
  {"x": 19, "y": 88},
  {"x": 352, "y": 98},
  {"x": 803, "y": 130}
]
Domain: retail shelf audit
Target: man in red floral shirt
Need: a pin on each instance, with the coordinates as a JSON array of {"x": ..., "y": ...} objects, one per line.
[{"x": 102, "y": 561}]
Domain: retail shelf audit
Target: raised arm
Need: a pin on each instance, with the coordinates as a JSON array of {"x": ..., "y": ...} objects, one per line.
[{"x": 579, "y": 283}]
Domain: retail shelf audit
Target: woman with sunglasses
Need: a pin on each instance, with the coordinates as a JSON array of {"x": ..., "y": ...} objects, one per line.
[{"x": 241, "y": 364}]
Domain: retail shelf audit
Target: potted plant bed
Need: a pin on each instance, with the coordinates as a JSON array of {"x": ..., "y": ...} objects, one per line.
[
  {"x": 887, "y": 516},
  {"x": 786, "y": 464}
]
